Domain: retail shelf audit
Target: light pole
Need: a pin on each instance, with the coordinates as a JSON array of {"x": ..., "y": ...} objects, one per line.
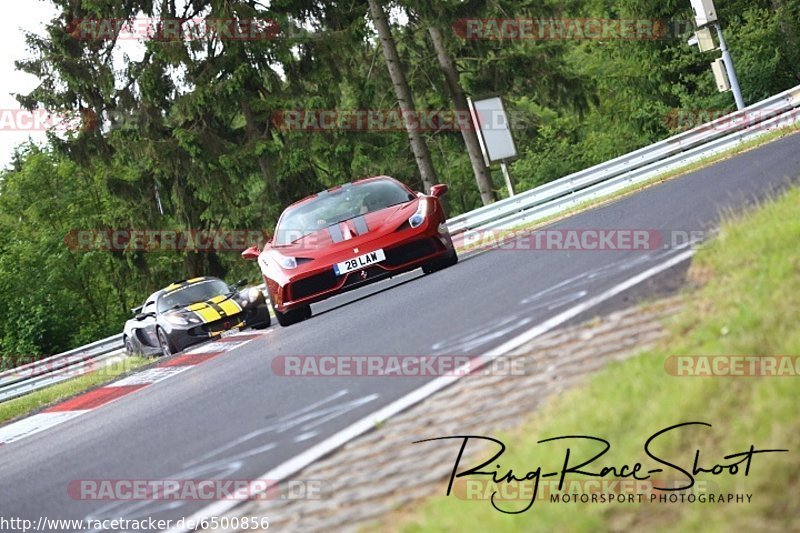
[
  {"x": 728, "y": 60},
  {"x": 705, "y": 16}
]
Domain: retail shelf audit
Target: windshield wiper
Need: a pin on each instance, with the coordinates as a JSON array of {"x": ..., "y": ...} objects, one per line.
[{"x": 346, "y": 219}]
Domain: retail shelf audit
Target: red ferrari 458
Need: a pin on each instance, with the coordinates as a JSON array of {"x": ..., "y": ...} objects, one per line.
[{"x": 348, "y": 236}]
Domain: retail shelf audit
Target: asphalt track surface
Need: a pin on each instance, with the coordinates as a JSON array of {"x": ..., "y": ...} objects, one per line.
[{"x": 233, "y": 418}]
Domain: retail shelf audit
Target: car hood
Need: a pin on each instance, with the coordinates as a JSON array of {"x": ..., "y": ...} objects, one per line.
[
  {"x": 350, "y": 232},
  {"x": 212, "y": 309}
]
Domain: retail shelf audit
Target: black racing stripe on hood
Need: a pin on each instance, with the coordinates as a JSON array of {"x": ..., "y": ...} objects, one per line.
[
  {"x": 217, "y": 308},
  {"x": 336, "y": 233},
  {"x": 361, "y": 225}
]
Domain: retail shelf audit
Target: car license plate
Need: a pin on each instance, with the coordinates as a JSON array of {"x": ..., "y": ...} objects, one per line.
[
  {"x": 228, "y": 333},
  {"x": 359, "y": 262}
]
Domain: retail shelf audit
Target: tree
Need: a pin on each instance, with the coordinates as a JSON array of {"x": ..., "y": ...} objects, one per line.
[{"x": 483, "y": 176}]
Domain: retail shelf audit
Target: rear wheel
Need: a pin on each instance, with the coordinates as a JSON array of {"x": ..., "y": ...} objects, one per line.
[
  {"x": 294, "y": 316},
  {"x": 163, "y": 342},
  {"x": 439, "y": 264}
]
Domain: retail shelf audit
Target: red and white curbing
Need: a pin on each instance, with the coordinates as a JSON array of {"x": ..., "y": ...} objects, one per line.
[{"x": 88, "y": 401}]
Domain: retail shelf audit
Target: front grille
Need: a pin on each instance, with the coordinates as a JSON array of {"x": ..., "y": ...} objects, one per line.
[
  {"x": 222, "y": 324},
  {"x": 410, "y": 251},
  {"x": 314, "y": 284},
  {"x": 396, "y": 256},
  {"x": 360, "y": 276}
]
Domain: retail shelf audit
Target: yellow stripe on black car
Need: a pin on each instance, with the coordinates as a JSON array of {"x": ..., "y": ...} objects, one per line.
[
  {"x": 205, "y": 312},
  {"x": 228, "y": 306},
  {"x": 215, "y": 308},
  {"x": 180, "y": 284}
]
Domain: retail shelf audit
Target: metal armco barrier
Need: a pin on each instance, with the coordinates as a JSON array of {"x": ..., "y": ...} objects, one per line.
[
  {"x": 687, "y": 147},
  {"x": 33, "y": 376}
]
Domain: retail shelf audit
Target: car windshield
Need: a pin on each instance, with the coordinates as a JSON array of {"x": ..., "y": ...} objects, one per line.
[
  {"x": 332, "y": 207},
  {"x": 196, "y": 292}
]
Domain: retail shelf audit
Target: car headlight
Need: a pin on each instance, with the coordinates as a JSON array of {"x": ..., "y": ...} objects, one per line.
[
  {"x": 287, "y": 262},
  {"x": 418, "y": 218},
  {"x": 181, "y": 320},
  {"x": 250, "y": 296},
  {"x": 253, "y": 294}
]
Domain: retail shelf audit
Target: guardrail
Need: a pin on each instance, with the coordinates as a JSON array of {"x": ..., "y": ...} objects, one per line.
[
  {"x": 544, "y": 201},
  {"x": 636, "y": 166},
  {"x": 51, "y": 370}
]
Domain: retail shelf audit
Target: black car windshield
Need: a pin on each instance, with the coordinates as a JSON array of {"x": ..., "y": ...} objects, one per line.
[
  {"x": 196, "y": 292},
  {"x": 332, "y": 207}
]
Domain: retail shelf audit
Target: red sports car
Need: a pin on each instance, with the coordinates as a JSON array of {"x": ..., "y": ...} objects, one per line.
[{"x": 348, "y": 236}]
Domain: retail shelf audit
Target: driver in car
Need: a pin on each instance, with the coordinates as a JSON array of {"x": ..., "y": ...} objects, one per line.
[{"x": 371, "y": 202}]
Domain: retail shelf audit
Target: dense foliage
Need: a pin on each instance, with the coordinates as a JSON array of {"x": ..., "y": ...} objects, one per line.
[{"x": 184, "y": 137}]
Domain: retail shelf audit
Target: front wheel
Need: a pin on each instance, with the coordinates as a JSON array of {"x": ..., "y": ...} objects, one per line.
[
  {"x": 262, "y": 319},
  {"x": 440, "y": 264},
  {"x": 294, "y": 316},
  {"x": 163, "y": 342},
  {"x": 130, "y": 349}
]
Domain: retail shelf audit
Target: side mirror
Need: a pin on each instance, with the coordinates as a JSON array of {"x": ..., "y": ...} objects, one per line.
[
  {"x": 241, "y": 283},
  {"x": 251, "y": 254},
  {"x": 439, "y": 190},
  {"x": 142, "y": 316}
]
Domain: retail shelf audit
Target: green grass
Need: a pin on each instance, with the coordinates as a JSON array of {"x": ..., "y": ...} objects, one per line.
[
  {"x": 747, "y": 305},
  {"x": 501, "y": 235},
  {"x": 38, "y": 399}
]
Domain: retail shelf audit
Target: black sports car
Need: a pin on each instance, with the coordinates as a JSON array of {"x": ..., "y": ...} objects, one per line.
[{"x": 192, "y": 311}]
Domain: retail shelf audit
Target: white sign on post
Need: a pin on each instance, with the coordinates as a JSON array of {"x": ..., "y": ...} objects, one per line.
[
  {"x": 490, "y": 119},
  {"x": 494, "y": 134}
]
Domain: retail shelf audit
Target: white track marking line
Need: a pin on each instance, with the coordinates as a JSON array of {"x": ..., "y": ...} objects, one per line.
[
  {"x": 297, "y": 463},
  {"x": 216, "y": 346},
  {"x": 151, "y": 375},
  {"x": 35, "y": 424},
  {"x": 41, "y": 421}
]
